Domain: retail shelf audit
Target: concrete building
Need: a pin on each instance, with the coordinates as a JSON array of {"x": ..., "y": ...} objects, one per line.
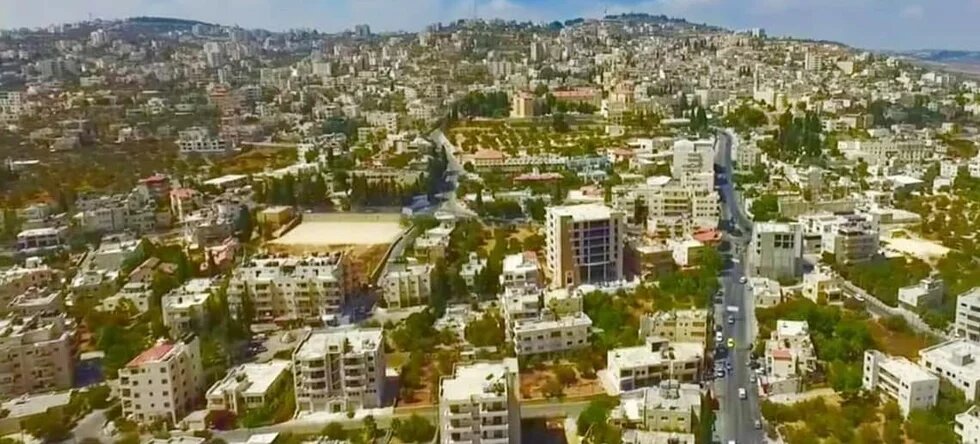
[
  {"x": 902, "y": 380},
  {"x": 35, "y": 355},
  {"x": 674, "y": 208},
  {"x": 16, "y": 280},
  {"x": 692, "y": 157},
  {"x": 631, "y": 368},
  {"x": 789, "y": 357},
  {"x": 967, "y": 425},
  {"x": 670, "y": 406},
  {"x": 165, "y": 382},
  {"x": 249, "y": 386},
  {"x": 968, "y": 315},
  {"x": 956, "y": 362},
  {"x": 853, "y": 241},
  {"x": 338, "y": 370},
  {"x": 819, "y": 285},
  {"x": 584, "y": 244},
  {"x": 292, "y": 288},
  {"x": 136, "y": 293},
  {"x": 551, "y": 335},
  {"x": 676, "y": 325},
  {"x": 39, "y": 240},
  {"x": 520, "y": 270},
  {"x": 522, "y": 105},
  {"x": 927, "y": 293},
  {"x": 765, "y": 292},
  {"x": 776, "y": 250},
  {"x": 186, "y": 306},
  {"x": 199, "y": 140},
  {"x": 407, "y": 285},
  {"x": 479, "y": 404}
]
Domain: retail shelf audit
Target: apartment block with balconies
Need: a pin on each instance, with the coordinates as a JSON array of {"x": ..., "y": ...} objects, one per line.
[
  {"x": 164, "y": 382},
  {"x": 36, "y": 355},
  {"x": 968, "y": 315},
  {"x": 479, "y": 404},
  {"x": 291, "y": 288},
  {"x": 339, "y": 370},
  {"x": 902, "y": 380}
]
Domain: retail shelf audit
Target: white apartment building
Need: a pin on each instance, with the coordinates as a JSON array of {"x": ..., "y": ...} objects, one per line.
[
  {"x": 776, "y": 250},
  {"x": 35, "y": 355},
  {"x": 901, "y": 379},
  {"x": 291, "y": 288},
  {"x": 928, "y": 292},
  {"x": 789, "y": 357},
  {"x": 199, "y": 140},
  {"x": 137, "y": 293},
  {"x": 338, "y": 370},
  {"x": 968, "y": 315},
  {"x": 165, "y": 381},
  {"x": 186, "y": 306},
  {"x": 692, "y": 157},
  {"x": 42, "y": 239},
  {"x": 670, "y": 406},
  {"x": 407, "y": 286},
  {"x": 881, "y": 151},
  {"x": 674, "y": 207},
  {"x": 631, "y": 368},
  {"x": 520, "y": 270},
  {"x": 584, "y": 244},
  {"x": 479, "y": 404},
  {"x": 520, "y": 303},
  {"x": 676, "y": 325},
  {"x": 968, "y": 426},
  {"x": 551, "y": 335},
  {"x": 249, "y": 386},
  {"x": 765, "y": 292},
  {"x": 956, "y": 362}
]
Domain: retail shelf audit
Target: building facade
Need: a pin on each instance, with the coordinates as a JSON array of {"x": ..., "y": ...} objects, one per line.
[
  {"x": 584, "y": 244},
  {"x": 339, "y": 370},
  {"x": 479, "y": 404},
  {"x": 164, "y": 382}
]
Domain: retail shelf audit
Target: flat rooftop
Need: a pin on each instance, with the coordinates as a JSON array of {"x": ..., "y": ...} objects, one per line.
[
  {"x": 582, "y": 213},
  {"x": 259, "y": 377},
  {"x": 957, "y": 353},
  {"x": 153, "y": 354},
  {"x": 786, "y": 328},
  {"x": 319, "y": 343},
  {"x": 477, "y": 379},
  {"x": 643, "y": 355}
]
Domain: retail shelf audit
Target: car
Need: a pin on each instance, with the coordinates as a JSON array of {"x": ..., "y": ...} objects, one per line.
[
  {"x": 731, "y": 342},
  {"x": 758, "y": 424},
  {"x": 742, "y": 394},
  {"x": 743, "y": 280},
  {"x": 731, "y": 319},
  {"x": 719, "y": 337},
  {"x": 720, "y": 373},
  {"x": 752, "y": 379}
]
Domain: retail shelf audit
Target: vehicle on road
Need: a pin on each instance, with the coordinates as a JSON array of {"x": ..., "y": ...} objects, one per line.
[
  {"x": 732, "y": 309},
  {"x": 719, "y": 337},
  {"x": 731, "y": 342},
  {"x": 758, "y": 424},
  {"x": 752, "y": 378},
  {"x": 731, "y": 319},
  {"x": 742, "y": 394},
  {"x": 743, "y": 280}
]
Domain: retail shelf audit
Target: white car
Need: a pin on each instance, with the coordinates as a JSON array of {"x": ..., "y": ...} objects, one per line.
[
  {"x": 742, "y": 394},
  {"x": 743, "y": 280}
]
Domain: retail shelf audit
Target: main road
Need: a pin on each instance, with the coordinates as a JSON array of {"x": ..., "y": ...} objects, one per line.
[{"x": 738, "y": 416}]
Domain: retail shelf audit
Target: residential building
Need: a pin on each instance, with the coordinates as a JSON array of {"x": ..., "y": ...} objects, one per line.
[
  {"x": 927, "y": 293},
  {"x": 16, "y": 280},
  {"x": 199, "y": 140},
  {"x": 339, "y": 370},
  {"x": 39, "y": 240},
  {"x": 853, "y": 241},
  {"x": 522, "y": 105},
  {"x": 692, "y": 157},
  {"x": 676, "y": 325},
  {"x": 968, "y": 315},
  {"x": 674, "y": 208},
  {"x": 249, "y": 386},
  {"x": 776, "y": 250},
  {"x": 631, "y": 368},
  {"x": 955, "y": 361},
  {"x": 35, "y": 355},
  {"x": 669, "y": 406},
  {"x": 967, "y": 425},
  {"x": 584, "y": 244},
  {"x": 136, "y": 293},
  {"x": 819, "y": 286},
  {"x": 407, "y": 285},
  {"x": 789, "y": 357},
  {"x": 521, "y": 269},
  {"x": 765, "y": 292},
  {"x": 186, "y": 306},
  {"x": 291, "y": 288},
  {"x": 551, "y": 335},
  {"x": 479, "y": 404},
  {"x": 902, "y": 380},
  {"x": 165, "y": 382}
]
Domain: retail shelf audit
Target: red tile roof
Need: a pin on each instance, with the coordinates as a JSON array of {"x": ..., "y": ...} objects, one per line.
[{"x": 151, "y": 354}]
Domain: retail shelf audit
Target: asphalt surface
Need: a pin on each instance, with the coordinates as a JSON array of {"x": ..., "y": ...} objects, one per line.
[{"x": 736, "y": 420}]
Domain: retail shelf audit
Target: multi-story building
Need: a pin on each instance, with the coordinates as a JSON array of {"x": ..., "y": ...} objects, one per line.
[
  {"x": 186, "y": 307},
  {"x": 908, "y": 384},
  {"x": 339, "y": 370},
  {"x": 955, "y": 361},
  {"x": 928, "y": 292},
  {"x": 692, "y": 157},
  {"x": 200, "y": 141},
  {"x": 968, "y": 315},
  {"x": 670, "y": 406},
  {"x": 42, "y": 239},
  {"x": 521, "y": 269},
  {"x": 16, "y": 280},
  {"x": 967, "y": 425},
  {"x": 789, "y": 357},
  {"x": 136, "y": 293},
  {"x": 479, "y": 404},
  {"x": 882, "y": 151},
  {"x": 854, "y": 240},
  {"x": 165, "y": 382},
  {"x": 551, "y": 335},
  {"x": 249, "y": 386},
  {"x": 776, "y": 250},
  {"x": 35, "y": 355},
  {"x": 297, "y": 288},
  {"x": 585, "y": 244},
  {"x": 674, "y": 208},
  {"x": 522, "y": 105},
  {"x": 676, "y": 325},
  {"x": 407, "y": 285},
  {"x": 631, "y": 368}
]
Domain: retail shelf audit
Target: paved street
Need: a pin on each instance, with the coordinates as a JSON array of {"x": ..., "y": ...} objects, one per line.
[{"x": 737, "y": 417}]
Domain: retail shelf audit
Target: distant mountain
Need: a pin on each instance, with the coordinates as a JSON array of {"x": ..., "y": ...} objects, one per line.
[
  {"x": 166, "y": 21},
  {"x": 944, "y": 56}
]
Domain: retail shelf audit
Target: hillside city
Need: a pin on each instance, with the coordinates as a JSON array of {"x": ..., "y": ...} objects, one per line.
[{"x": 628, "y": 229}]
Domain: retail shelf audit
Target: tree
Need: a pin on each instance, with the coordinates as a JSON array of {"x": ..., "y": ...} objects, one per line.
[
  {"x": 415, "y": 429},
  {"x": 50, "y": 426},
  {"x": 765, "y": 208},
  {"x": 552, "y": 388},
  {"x": 334, "y": 431},
  {"x": 565, "y": 374}
]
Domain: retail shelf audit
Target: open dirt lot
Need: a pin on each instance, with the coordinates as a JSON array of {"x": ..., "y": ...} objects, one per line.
[{"x": 326, "y": 231}]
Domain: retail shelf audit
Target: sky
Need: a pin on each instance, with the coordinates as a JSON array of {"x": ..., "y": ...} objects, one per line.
[{"x": 872, "y": 24}]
